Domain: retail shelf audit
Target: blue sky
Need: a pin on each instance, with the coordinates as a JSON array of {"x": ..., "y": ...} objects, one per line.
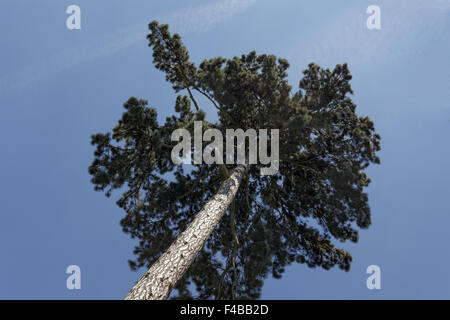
[{"x": 59, "y": 86}]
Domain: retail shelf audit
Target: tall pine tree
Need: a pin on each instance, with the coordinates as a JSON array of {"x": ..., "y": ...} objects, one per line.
[{"x": 217, "y": 231}]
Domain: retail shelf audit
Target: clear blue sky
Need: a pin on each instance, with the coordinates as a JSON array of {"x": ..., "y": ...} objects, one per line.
[{"x": 59, "y": 86}]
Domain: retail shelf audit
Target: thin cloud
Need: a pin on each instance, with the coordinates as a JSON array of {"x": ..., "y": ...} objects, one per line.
[
  {"x": 195, "y": 19},
  {"x": 189, "y": 20},
  {"x": 406, "y": 25}
]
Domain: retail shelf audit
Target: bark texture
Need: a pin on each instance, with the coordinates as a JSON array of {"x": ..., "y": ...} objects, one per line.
[{"x": 158, "y": 281}]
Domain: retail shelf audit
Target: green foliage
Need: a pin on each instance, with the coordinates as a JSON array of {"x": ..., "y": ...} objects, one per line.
[{"x": 289, "y": 217}]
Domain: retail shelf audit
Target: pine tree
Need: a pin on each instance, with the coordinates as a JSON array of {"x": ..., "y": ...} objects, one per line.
[{"x": 225, "y": 228}]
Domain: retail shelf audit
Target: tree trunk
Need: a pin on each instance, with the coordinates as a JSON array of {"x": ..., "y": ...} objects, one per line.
[{"x": 158, "y": 281}]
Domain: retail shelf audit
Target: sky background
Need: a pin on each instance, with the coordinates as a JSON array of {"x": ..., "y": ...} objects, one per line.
[{"x": 59, "y": 86}]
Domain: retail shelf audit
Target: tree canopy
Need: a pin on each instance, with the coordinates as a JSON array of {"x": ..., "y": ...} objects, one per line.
[{"x": 316, "y": 197}]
